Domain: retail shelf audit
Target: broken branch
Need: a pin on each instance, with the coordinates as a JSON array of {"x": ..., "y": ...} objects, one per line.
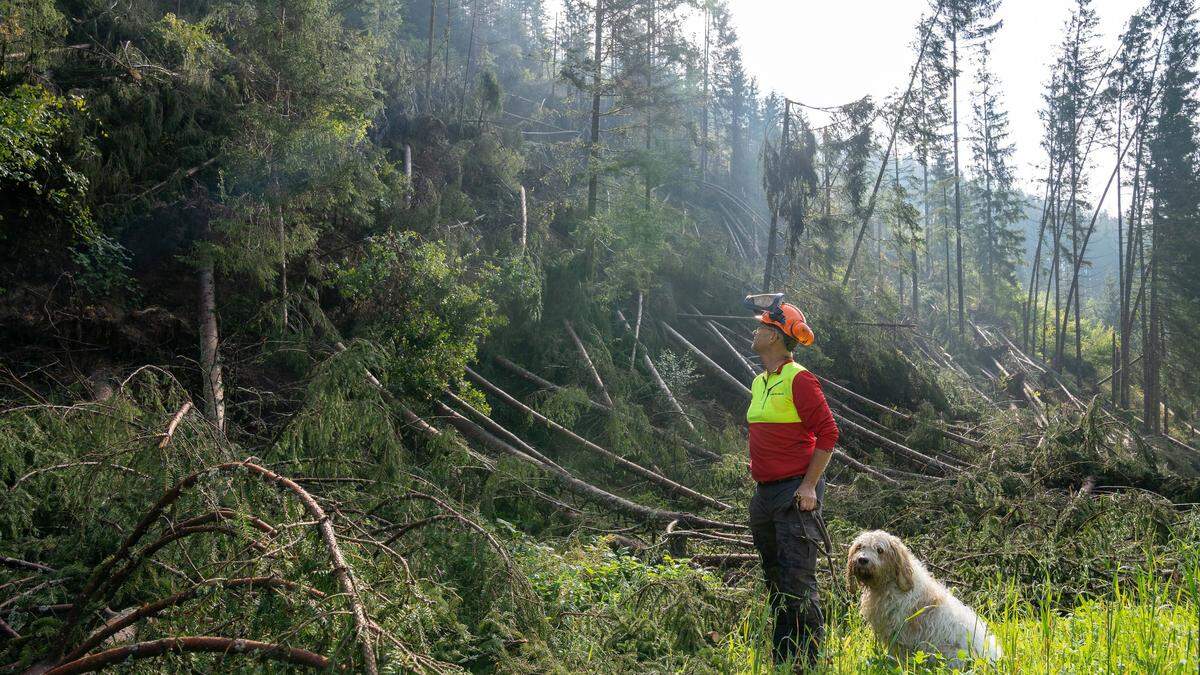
[{"x": 210, "y": 644}]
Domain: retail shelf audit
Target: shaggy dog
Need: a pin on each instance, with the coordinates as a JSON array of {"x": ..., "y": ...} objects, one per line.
[{"x": 908, "y": 609}]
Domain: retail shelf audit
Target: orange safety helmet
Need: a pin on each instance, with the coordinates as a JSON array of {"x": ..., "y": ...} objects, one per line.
[{"x": 789, "y": 319}]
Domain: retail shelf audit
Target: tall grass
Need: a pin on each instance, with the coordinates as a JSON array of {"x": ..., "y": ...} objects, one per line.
[{"x": 1149, "y": 625}]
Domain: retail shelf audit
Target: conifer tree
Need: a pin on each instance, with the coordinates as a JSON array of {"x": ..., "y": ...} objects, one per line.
[
  {"x": 1172, "y": 179},
  {"x": 997, "y": 243},
  {"x": 1080, "y": 66},
  {"x": 962, "y": 19}
]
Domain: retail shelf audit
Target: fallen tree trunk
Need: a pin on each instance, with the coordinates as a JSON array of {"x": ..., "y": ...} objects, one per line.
[
  {"x": 841, "y": 419},
  {"x": 17, "y": 563},
  {"x": 716, "y": 317},
  {"x": 637, "y": 334},
  {"x": 864, "y": 468},
  {"x": 633, "y": 467},
  {"x": 737, "y": 356},
  {"x": 713, "y": 366},
  {"x": 495, "y": 428},
  {"x": 587, "y": 360},
  {"x": 658, "y": 380},
  {"x": 170, "y": 432},
  {"x": 863, "y": 399},
  {"x": 543, "y": 383},
  {"x": 582, "y": 488},
  {"x": 180, "y": 645},
  {"x": 854, "y": 395},
  {"x": 894, "y": 446}
]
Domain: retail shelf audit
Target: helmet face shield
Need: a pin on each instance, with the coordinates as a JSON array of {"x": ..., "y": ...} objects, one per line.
[
  {"x": 763, "y": 302},
  {"x": 775, "y": 312}
]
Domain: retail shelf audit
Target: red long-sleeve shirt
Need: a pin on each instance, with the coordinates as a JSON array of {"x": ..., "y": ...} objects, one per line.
[{"x": 783, "y": 450}]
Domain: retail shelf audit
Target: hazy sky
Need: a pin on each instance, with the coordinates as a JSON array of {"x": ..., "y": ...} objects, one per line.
[{"x": 826, "y": 52}]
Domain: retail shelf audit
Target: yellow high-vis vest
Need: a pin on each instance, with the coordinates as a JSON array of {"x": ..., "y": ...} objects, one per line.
[{"x": 771, "y": 396}]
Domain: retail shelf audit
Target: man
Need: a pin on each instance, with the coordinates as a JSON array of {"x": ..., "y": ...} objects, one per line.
[{"x": 792, "y": 435}]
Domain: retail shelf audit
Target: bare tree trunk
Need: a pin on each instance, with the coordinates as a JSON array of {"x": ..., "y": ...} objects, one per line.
[
  {"x": 1150, "y": 378},
  {"x": 916, "y": 295},
  {"x": 773, "y": 233},
  {"x": 594, "y": 142},
  {"x": 283, "y": 280},
  {"x": 462, "y": 101},
  {"x": 946, "y": 247},
  {"x": 957, "y": 189},
  {"x": 637, "y": 332},
  {"x": 524, "y": 221},
  {"x": 446, "y": 54},
  {"x": 210, "y": 359},
  {"x": 650, "y": 38},
  {"x": 1028, "y": 329},
  {"x": 587, "y": 360},
  {"x": 1117, "y": 375},
  {"x": 429, "y": 59},
  {"x": 408, "y": 174},
  {"x": 704, "y": 114},
  {"x": 553, "y": 58}
]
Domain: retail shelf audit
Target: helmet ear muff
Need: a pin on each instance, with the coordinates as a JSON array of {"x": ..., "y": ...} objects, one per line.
[{"x": 805, "y": 336}]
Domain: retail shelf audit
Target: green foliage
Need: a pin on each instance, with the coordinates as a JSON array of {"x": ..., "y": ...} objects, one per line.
[
  {"x": 679, "y": 371},
  {"x": 103, "y": 268},
  {"x": 45, "y": 196},
  {"x": 28, "y": 28},
  {"x": 615, "y": 613},
  {"x": 420, "y": 304}
]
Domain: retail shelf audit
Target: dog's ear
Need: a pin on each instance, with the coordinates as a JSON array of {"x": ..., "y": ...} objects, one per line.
[
  {"x": 851, "y": 581},
  {"x": 901, "y": 560}
]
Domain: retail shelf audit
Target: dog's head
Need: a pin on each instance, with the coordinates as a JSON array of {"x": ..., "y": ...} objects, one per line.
[{"x": 877, "y": 559}]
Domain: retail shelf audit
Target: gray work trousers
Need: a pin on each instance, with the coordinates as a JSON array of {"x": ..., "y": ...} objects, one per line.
[{"x": 788, "y": 541}]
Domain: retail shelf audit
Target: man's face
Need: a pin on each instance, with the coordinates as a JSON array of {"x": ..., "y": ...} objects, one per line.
[{"x": 764, "y": 335}]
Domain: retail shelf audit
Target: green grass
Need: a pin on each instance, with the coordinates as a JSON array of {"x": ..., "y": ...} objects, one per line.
[{"x": 1152, "y": 627}]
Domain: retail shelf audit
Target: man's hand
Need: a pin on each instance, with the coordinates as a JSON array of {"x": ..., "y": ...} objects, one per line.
[{"x": 806, "y": 497}]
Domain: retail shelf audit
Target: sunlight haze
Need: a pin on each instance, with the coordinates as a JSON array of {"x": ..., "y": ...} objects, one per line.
[{"x": 829, "y": 53}]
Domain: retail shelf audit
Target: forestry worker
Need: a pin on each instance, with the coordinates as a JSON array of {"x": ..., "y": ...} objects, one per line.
[{"x": 792, "y": 435}]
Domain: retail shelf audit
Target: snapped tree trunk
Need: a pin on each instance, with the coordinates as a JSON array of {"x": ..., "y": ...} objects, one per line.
[
  {"x": 210, "y": 358},
  {"x": 408, "y": 175}
]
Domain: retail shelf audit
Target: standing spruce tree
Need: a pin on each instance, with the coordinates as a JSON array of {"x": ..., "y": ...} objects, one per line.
[
  {"x": 924, "y": 132},
  {"x": 1172, "y": 179},
  {"x": 997, "y": 243},
  {"x": 1131, "y": 83},
  {"x": 962, "y": 19},
  {"x": 1081, "y": 66}
]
